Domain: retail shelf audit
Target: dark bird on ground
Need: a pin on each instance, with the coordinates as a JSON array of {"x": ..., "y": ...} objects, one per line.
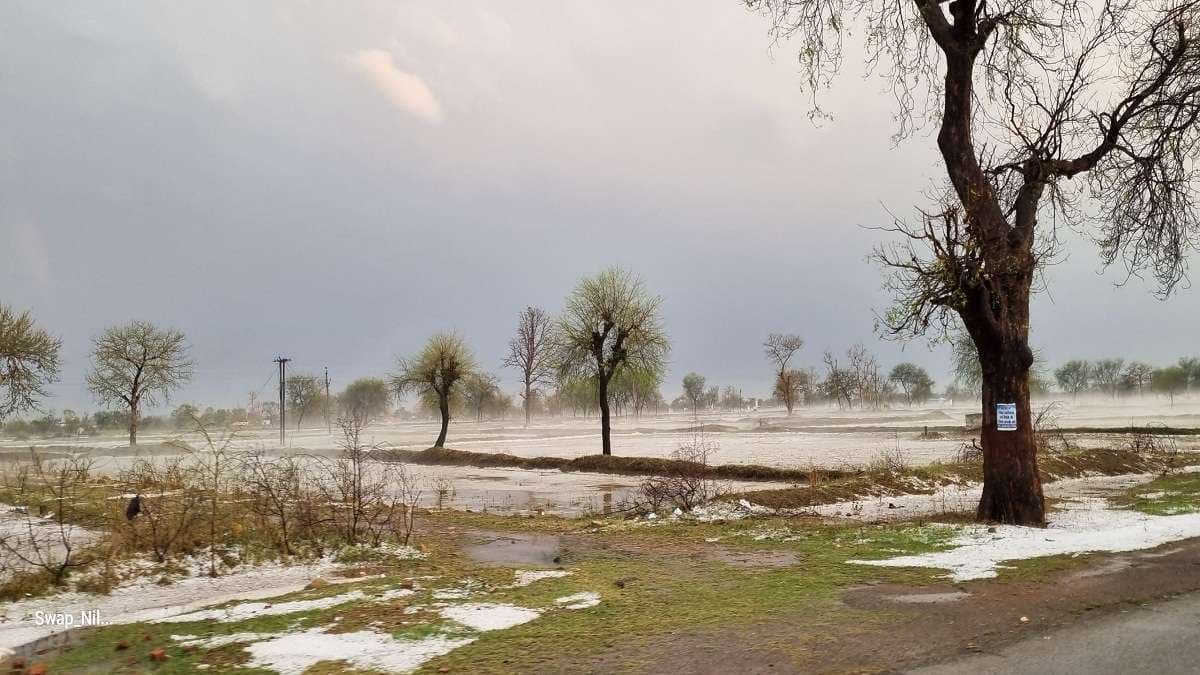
[{"x": 134, "y": 507}]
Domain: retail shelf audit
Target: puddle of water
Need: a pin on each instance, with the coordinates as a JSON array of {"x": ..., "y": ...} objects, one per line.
[{"x": 513, "y": 548}]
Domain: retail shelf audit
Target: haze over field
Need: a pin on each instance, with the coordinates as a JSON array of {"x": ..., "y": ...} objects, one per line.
[{"x": 335, "y": 186}]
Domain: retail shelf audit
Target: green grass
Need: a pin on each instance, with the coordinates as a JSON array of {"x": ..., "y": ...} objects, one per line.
[
  {"x": 654, "y": 581},
  {"x": 1165, "y": 496}
]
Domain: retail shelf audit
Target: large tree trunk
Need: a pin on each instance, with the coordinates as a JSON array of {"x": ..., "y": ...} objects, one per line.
[
  {"x": 528, "y": 403},
  {"x": 1012, "y": 490},
  {"x": 133, "y": 425},
  {"x": 444, "y": 407},
  {"x": 605, "y": 439}
]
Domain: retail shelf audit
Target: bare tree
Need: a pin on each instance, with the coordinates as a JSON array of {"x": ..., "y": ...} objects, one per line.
[
  {"x": 1106, "y": 373},
  {"x": 531, "y": 351},
  {"x": 138, "y": 363},
  {"x": 779, "y": 349},
  {"x": 840, "y": 383},
  {"x": 436, "y": 371},
  {"x": 1105, "y": 92},
  {"x": 611, "y": 323},
  {"x": 28, "y": 362},
  {"x": 1138, "y": 376}
]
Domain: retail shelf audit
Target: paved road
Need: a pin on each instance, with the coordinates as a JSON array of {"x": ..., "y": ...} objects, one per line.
[{"x": 1162, "y": 638}]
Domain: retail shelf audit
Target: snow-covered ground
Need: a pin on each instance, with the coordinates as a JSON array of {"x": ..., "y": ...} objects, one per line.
[
  {"x": 146, "y": 600},
  {"x": 1081, "y": 524}
]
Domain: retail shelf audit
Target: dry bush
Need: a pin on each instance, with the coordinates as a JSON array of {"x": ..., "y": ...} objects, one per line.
[
  {"x": 687, "y": 488},
  {"x": 889, "y": 461},
  {"x": 358, "y": 488},
  {"x": 277, "y": 498},
  {"x": 969, "y": 453},
  {"x": 1047, "y": 435},
  {"x": 174, "y": 507},
  {"x": 46, "y": 529}
]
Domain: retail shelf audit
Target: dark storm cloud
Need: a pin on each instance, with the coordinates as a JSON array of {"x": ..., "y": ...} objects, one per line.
[{"x": 334, "y": 185}]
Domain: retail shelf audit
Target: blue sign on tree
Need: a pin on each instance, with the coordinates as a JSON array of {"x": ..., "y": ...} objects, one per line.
[{"x": 1006, "y": 417}]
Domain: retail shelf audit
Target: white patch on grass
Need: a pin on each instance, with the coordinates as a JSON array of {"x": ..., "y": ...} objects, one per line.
[
  {"x": 1083, "y": 526},
  {"x": 215, "y": 641},
  {"x": 145, "y": 600},
  {"x": 294, "y": 653},
  {"x": 252, "y": 610},
  {"x": 578, "y": 601},
  {"x": 394, "y": 593},
  {"x": 526, "y": 577},
  {"x": 482, "y": 616}
]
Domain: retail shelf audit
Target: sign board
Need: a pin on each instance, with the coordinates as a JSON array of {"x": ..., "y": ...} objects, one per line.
[{"x": 1006, "y": 417}]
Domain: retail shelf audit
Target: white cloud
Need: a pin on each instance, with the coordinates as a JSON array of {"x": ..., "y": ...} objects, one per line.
[{"x": 406, "y": 91}]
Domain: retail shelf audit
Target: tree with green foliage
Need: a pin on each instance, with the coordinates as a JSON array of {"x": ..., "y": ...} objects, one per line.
[
  {"x": 611, "y": 323},
  {"x": 366, "y": 398},
  {"x": 1074, "y": 377},
  {"x": 1137, "y": 376},
  {"x": 693, "y": 390},
  {"x": 138, "y": 364},
  {"x": 28, "y": 362},
  {"x": 1191, "y": 366},
  {"x": 913, "y": 381},
  {"x": 481, "y": 392},
  {"x": 303, "y": 394},
  {"x": 438, "y": 371},
  {"x": 1170, "y": 381}
]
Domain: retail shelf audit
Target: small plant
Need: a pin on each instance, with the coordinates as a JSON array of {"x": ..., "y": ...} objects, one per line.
[{"x": 684, "y": 489}]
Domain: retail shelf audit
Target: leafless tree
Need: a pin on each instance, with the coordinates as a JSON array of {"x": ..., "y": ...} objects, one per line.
[
  {"x": 436, "y": 371},
  {"x": 1026, "y": 95},
  {"x": 779, "y": 349},
  {"x": 611, "y": 323},
  {"x": 840, "y": 383},
  {"x": 28, "y": 362},
  {"x": 138, "y": 363},
  {"x": 1106, "y": 373},
  {"x": 531, "y": 351}
]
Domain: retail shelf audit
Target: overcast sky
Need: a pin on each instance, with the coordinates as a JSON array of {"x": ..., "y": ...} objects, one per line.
[{"x": 335, "y": 184}]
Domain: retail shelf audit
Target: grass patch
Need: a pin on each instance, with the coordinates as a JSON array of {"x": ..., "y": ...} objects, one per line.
[
  {"x": 637, "y": 466},
  {"x": 1165, "y": 496}
]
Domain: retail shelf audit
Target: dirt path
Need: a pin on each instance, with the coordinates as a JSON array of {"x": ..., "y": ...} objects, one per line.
[
  {"x": 1157, "y": 638},
  {"x": 974, "y": 626}
]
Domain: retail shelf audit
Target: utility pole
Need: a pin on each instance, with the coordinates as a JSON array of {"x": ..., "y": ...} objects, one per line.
[
  {"x": 328, "y": 421},
  {"x": 282, "y": 399}
]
